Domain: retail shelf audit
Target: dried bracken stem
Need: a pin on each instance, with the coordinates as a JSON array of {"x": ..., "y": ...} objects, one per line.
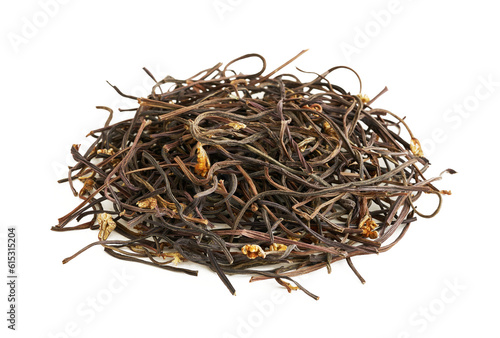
[{"x": 214, "y": 168}]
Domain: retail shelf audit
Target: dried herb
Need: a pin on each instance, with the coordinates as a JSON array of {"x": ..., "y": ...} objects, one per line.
[{"x": 252, "y": 174}]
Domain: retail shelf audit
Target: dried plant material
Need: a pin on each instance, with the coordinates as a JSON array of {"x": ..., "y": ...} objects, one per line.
[
  {"x": 253, "y": 251},
  {"x": 239, "y": 81},
  {"x": 203, "y": 163},
  {"x": 416, "y": 148},
  {"x": 289, "y": 287},
  {"x": 295, "y": 96},
  {"x": 109, "y": 151},
  {"x": 177, "y": 257},
  {"x": 138, "y": 248},
  {"x": 315, "y": 107},
  {"x": 368, "y": 226},
  {"x": 214, "y": 168},
  {"x": 88, "y": 186},
  {"x": 106, "y": 226},
  {"x": 277, "y": 247},
  {"x": 327, "y": 127},
  {"x": 304, "y": 143},
  {"x": 141, "y": 228},
  {"x": 364, "y": 98},
  {"x": 237, "y": 125},
  {"x": 196, "y": 86},
  {"x": 148, "y": 203},
  {"x": 293, "y": 238}
]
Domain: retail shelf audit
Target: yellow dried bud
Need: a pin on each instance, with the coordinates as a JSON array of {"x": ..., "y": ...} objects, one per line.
[
  {"x": 109, "y": 151},
  {"x": 295, "y": 239},
  {"x": 277, "y": 247},
  {"x": 329, "y": 130},
  {"x": 177, "y": 257},
  {"x": 148, "y": 203},
  {"x": 416, "y": 148},
  {"x": 203, "y": 163},
  {"x": 368, "y": 226},
  {"x": 364, "y": 98},
  {"x": 237, "y": 125},
  {"x": 106, "y": 226},
  {"x": 253, "y": 251}
]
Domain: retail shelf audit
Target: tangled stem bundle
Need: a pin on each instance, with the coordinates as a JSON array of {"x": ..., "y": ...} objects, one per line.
[{"x": 249, "y": 174}]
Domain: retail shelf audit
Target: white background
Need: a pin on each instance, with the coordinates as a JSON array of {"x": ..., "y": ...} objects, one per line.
[{"x": 440, "y": 61}]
